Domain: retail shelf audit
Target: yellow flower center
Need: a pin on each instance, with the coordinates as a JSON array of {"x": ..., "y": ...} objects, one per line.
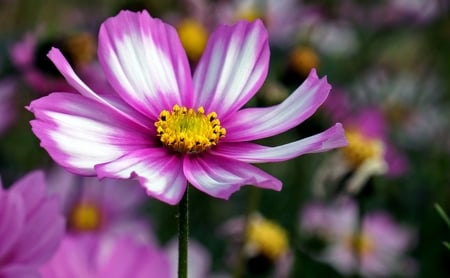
[
  {"x": 193, "y": 36},
  {"x": 188, "y": 131},
  {"x": 267, "y": 237},
  {"x": 303, "y": 59},
  {"x": 360, "y": 244},
  {"x": 81, "y": 48},
  {"x": 85, "y": 216},
  {"x": 360, "y": 148}
]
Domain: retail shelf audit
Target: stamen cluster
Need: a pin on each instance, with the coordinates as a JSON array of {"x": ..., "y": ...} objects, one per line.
[
  {"x": 360, "y": 148},
  {"x": 85, "y": 216},
  {"x": 361, "y": 243},
  {"x": 188, "y": 131}
]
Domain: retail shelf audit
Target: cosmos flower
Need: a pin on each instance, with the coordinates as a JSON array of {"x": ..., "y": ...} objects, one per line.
[
  {"x": 31, "y": 226},
  {"x": 369, "y": 152},
  {"x": 107, "y": 206},
  {"x": 100, "y": 256},
  {"x": 376, "y": 249},
  {"x": 165, "y": 127}
]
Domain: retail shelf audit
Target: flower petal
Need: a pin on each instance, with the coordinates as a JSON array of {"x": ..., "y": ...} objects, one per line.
[
  {"x": 158, "y": 171},
  {"x": 66, "y": 70},
  {"x": 42, "y": 233},
  {"x": 256, "y": 123},
  {"x": 232, "y": 68},
  {"x": 79, "y": 133},
  {"x": 12, "y": 220},
  {"x": 32, "y": 188},
  {"x": 221, "y": 177},
  {"x": 252, "y": 153},
  {"x": 18, "y": 270},
  {"x": 144, "y": 61}
]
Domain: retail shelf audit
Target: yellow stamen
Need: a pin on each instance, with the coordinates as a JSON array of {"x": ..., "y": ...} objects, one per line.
[
  {"x": 303, "y": 59},
  {"x": 85, "y": 216},
  {"x": 360, "y": 244},
  {"x": 188, "y": 131},
  {"x": 267, "y": 237},
  {"x": 81, "y": 48},
  {"x": 360, "y": 148},
  {"x": 193, "y": 36}
]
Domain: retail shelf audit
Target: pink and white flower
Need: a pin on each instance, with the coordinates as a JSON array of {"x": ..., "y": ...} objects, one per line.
[
  {"x": 376, "y": 249},
  {"x": 166, "y": 127},
  {"x": 31, "y": 226},
  {"x": 369, "y": 152},
  {"x": 109, "y": 206}
]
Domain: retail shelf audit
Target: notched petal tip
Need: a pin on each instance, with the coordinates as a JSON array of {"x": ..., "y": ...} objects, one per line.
[
  {"x": 313, "y": 74},
  {"x": 57, "y": 58},
  {"x": 340, "y": 138},
  {"x": 54, "y": 51}
]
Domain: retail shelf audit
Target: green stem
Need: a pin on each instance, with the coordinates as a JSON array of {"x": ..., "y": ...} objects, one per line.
[{"x": 183, "y": 235}]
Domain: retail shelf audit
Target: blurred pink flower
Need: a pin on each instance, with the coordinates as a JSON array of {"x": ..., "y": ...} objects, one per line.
[
  {"x": 100, "y": 256},
  {"x": 31, "y": 226},
  {"x": 166, "y": 127},
  {"x": 369, "y": 151},
  {"x": 371, "y": 124},
  {"x": 380, "y": 243},
  {"x": 107, "y": 206}
]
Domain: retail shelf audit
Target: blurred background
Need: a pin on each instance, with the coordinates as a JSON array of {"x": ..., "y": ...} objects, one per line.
[{"x": 367, "y": 210}]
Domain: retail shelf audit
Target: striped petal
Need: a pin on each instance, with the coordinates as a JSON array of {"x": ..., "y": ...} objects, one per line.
[
  {"x": 232, "y": 68},
  {"x": 144, "y": 61},
  {"x": 252, "y": 153},
  {"x": 79, "y": 133},
  {"x": 69, "y": 74},
  {"x": 158, "y": 171},
  {"x": 221, "y": 177},
  {"x": 256, "y": 123}
]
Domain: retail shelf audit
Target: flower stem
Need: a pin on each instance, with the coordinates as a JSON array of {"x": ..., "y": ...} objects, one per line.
[{"x": 183, "y": 235}]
